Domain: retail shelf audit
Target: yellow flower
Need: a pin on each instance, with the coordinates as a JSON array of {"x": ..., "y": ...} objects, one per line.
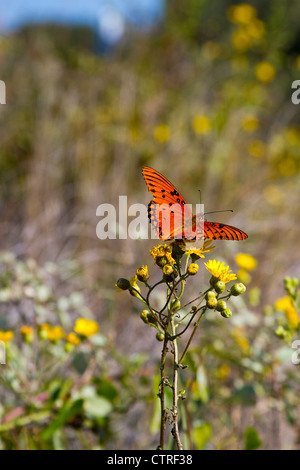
[
  {"x": 193, "y": 269},
  {"x": 201, "y": 124},
  {"x": 162, "y": 251},
  {"x": 27, "y": 333},
  {"x": 6, "y": 336},
  {"x": 241, "y": 14},
  {"x": 44, "y": 328},
  {"x": 162, "y": 133},
  {"x": 223, "y": 371},
  {"x": 220, "y": 271},
  {"x": 72, "y": 338},
  {"x": 26, "y": 330},
  {"x": 207, "y": 246},
  {"x": 55, "y": 333},
  {"x": 256, "y": 148},
  {"x": 86, "y": 327},
  {"x": 286, "y": 305},
  {"x": 142, "y": 273},
  {"x": 241, "y": 40},
  {"x": 250, "y": 123},
  {"x": 245, "y": 261},
  {"x": 265, "y": 72}
]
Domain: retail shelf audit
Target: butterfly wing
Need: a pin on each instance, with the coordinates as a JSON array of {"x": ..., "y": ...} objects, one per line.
[
  {"x": 166, "y": 225},
  {"x": 178, "y": 224},
  {"x": 216, "y": 231}
]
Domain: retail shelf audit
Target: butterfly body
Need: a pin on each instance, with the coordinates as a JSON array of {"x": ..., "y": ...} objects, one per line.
[{"x": 172, "y": 218}]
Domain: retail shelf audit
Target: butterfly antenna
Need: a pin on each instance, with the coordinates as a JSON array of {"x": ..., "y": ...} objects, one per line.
[{"x": 213, "y": 212}]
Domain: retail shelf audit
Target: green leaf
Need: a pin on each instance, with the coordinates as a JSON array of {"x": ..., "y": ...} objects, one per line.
[
  {"x": 97, "y": 407},
  {"x": 201, "y": 434},
  {"x": 252, "y": 439}
]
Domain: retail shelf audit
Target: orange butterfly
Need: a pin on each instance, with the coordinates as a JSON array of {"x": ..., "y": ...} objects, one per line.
[{"x": 171, "y": 217}]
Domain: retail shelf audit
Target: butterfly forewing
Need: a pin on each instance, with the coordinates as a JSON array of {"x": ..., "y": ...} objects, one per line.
[{"x": 172, "y": 218}]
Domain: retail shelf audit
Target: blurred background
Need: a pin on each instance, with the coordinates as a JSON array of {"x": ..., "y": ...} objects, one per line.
[{"x": 201, "y": 91}]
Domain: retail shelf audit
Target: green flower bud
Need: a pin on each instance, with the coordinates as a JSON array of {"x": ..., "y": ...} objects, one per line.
[
  {"x": 160, "y": 336},
  {"x": 211, "y": 302},
  {"x": 169, "y": 273},
  {"x": 290, "y": 284},
  {"x": 221, "y": 305},
  {"x": 123, "y": 284},
  {"x": 226, "y": 313},
  {"x": 210, "y": 295},
  {"x": 283, "y": 333},
  {"x": 175, "y": 305},
  {"x": 193, "y": 269},
  {"x": 219, "y": 287},
  {"x": 144, "y": 316},
  {"x": 237, "y": 289}
]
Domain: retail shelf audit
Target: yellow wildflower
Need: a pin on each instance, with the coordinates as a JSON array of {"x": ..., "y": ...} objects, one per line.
[
  {"x": 162, "y": 251},
  {"x": 265, "y": 72},
  {"x": 27, "y": 333},
  {"x": 250, "y": 123},
  {"x": 142, "y": 273},
  {"x": 223, "y": 371},
  {"x": 6, "y": 336},
  {"x": 55, "y": 333},
  {"x": 201, "y": 124},
  {"x": 72, "y": 338},
  {"x": 256, "y": 148},
  {"x": 86, "y": 327},
  {"x": 241, "y": 14},
  {"x": 162, "y": 133},
  {"x": 220, "y": 271},
  {"x": 193, "y": 269},
  {"x": 245, "y": 261},
  {"x": 207, "y": 246},
  {"x": 286, "y": 305}
]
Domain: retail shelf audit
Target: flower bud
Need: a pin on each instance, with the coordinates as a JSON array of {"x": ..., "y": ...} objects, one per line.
[
  {"x": 168, "y": 269},
  {"x": 175, "y": 305},
  {"x": 211, "y": 302},
  {"x": 161, "y": 261},
  {"x": 142, "y": 273},
  {"x": 193, "y": 269},
  {"x": 221, "y": 305},
  {"x": 219, "y": 287},
  {"x": 210, "y": 295},
  {"x": 226, "y": 313},
  {"x": 237, "y": 289},
  {"x": 160, "y": 336},
  {"x": 144, "y": 316},
  {"x": 169, "y": 273},
  {"x": 123, "y": 284}
]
